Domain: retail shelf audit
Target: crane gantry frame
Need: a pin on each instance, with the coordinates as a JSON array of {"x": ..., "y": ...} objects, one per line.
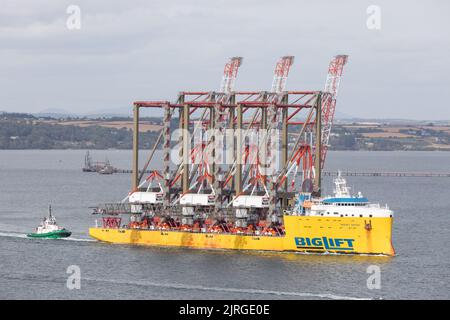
[{"x": 238, "y": 112}]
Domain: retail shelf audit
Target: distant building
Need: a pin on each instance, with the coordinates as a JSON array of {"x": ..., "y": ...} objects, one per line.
[{"x": 368, "y": 123}]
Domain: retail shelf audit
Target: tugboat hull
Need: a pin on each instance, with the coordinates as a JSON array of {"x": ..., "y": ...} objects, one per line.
[{"x": 51, "y": 235}]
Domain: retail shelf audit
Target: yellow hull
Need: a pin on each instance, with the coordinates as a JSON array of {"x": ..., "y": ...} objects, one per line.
[{"x": 303, "y": 233}]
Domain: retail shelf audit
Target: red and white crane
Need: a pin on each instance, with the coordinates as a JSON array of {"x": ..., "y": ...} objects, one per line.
[
  {"x": 335, "y": 70},
  {"x": 201, "y": 154},
  {"x": 302, "y": 153},
  {"x": 229, "y": 75},
  {"x": 262, "y": 155},
  {"x": 281, "y": 73}
]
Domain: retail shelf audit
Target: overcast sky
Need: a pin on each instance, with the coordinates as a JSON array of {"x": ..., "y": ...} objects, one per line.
[{"x": 143, "y": 50}]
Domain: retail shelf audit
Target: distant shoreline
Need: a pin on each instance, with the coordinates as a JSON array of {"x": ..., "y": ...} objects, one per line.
[{"x": 27, "y": 132}]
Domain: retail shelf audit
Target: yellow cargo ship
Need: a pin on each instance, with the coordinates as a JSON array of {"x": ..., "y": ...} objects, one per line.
[
  {"x": 200, "y": 207},
  {"x": 338, "y": 224},
  {"x": 305, "y": 234}
]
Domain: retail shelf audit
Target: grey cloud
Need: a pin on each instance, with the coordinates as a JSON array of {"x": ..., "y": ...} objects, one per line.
[{"x": 134, "y": 50}]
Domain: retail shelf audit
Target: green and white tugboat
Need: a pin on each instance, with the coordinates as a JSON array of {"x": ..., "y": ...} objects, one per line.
[{"x": 49, "y": 229}]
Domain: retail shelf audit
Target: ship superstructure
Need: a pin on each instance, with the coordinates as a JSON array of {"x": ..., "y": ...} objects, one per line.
[
  {"x": 341, "y": 204},
  {"x": 247, "y": 175}
]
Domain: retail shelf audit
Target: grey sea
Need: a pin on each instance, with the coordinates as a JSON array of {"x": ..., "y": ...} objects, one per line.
[{"x": 37, "y": 269}]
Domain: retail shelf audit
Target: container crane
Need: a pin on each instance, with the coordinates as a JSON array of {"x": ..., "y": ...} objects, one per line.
[
  {"x": 229, "y": 75},
  {"x": 334, "y": 75},
  {"x": 202, "y": 155},
  {"x": 281, "y": 73}
]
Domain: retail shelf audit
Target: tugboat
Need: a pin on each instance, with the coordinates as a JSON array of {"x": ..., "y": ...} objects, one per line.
[{"x": 49, "y": 229}]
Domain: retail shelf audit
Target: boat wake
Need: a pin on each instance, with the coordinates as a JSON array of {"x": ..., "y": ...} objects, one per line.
[
  {"x": 229, "y": 290},
  {"x": 78, "y": 239},
  {"x": 179, "y": 286},
  {"x": 13, "y": 234}
]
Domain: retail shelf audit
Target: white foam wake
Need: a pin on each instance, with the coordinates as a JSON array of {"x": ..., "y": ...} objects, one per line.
[
  {"x": 79, "y": 239},
  {"x": 13, "y": 234},
  {"x": 227, "y": 289},
  {"x": 144, "y": 283}
]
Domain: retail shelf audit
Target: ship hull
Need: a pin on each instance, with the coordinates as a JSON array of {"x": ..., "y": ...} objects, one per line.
[{"x": 303, "y": 234}]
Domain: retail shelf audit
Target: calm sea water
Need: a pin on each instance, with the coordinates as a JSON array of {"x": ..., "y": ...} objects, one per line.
[{"x": 36, "y": 269}]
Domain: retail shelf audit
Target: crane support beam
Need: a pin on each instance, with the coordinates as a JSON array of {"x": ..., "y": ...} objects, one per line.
[
  {"x": 186, "y": 143},
  {"x": 318, "y": 148},
  {"x": 135, "y": 164},
  {"x": 239, "y": 148}
]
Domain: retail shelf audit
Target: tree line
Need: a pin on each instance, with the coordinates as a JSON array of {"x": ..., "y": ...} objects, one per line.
[{"x": 22, "y": 133}]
